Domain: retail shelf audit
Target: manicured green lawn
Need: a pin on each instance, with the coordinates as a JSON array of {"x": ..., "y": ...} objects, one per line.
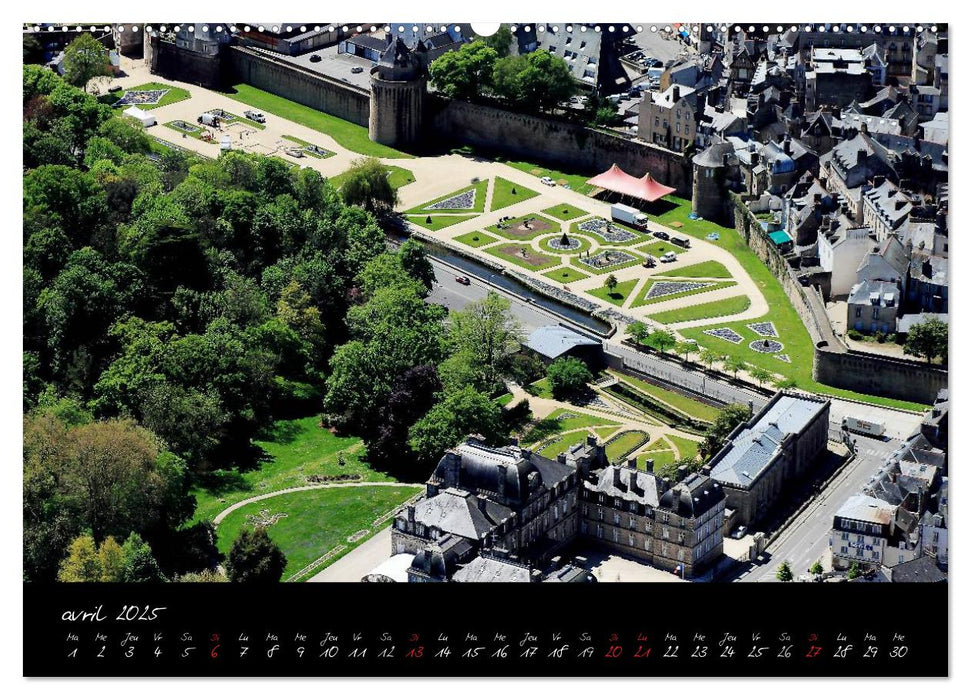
[
  {"x": 709, "y": 268},
  {"x": 687, "y": 448},
  {"x": 564, "y": 443},
  {"x": 624, "y": 444},
  {"x": 434, "y": 223},
  {"x": 540, "y": 388},
  {"x": 642, "y": 299},
  {"x": 476, "y": 239},
  {"x": 555, "y": 423},
  {"x": 619, "y": 295},
  {"x": 349, "y": 135},
  {"x": 565, "y": 275},
  {"x": 538, "y": 226},
  {"x": 603, "y": 270},
  {"x": 512, "y": 252},
  {"x": 690, "y": 407},
  {"x": 317, "y": 153},
  {"x": 659, "y": 248},
  {"x": 174, "y": 94},
  {"x": 662, "y": 458},
  {"x": 565, "y": 212},
  {"x": 397, "y": 176},
  {"x": 504, "y": 399},
  {"x": 506, "y": 193},
  {"x": 294, "y": 449},
  {"x": 604, "y": 433},
  {"x": 712, "y": 309},
  {"x": 480, "y": 188},
  {"x": 317, "y": 521},
  {"x": 791, "y": 329},
  {"x": 577, "y": 183}
]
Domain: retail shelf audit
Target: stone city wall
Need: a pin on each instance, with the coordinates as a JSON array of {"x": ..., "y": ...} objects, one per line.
[
  {"x": 833, "y": 363},
  {"x": 554, "y": 141},
  {"x": 284, "y": 79}
]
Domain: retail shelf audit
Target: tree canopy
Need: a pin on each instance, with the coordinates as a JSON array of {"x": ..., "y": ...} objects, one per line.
[
  {"x": 568, "y": 377},
  {"x": 928, "y": 339},
  {"x": 85, "y": 58},
  {"x": 254, "y": 558}
]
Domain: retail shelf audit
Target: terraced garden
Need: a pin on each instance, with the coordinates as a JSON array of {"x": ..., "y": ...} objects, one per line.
[{"x": 711, "y": 309}]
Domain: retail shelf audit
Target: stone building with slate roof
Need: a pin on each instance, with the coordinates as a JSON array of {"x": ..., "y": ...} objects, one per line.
[
  {"x": 771, "y": 452},
  {"x": 641, "y": 515}
]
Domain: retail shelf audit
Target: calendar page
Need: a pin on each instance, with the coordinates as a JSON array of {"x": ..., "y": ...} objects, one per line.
[{"x": 317, "y": 313}]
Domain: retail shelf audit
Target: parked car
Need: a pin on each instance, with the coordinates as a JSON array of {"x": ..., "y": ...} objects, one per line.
[
  {"x": 255, "y": 116},
  {"x": 740, "y": 532},
  {"x": 668, "y": 257},
  {"x": 650, "y": 262},
  {"x": 661, "y": 234},
  {"x": 546, "y": 180},
  {"x": 463, "y": 280},
  {"x": 357, "y": 69}
]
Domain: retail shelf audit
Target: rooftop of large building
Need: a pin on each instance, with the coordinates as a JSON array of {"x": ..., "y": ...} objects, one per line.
[{"x": 754, "y": 445}]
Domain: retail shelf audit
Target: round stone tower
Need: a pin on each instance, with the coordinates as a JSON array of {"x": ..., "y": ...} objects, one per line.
[
  {"x": 397, "y": 96},
  {"x": 709, "y": 194}
]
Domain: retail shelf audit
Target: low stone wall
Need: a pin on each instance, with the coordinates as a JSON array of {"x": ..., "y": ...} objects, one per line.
[{"x": 833, "y": 363}]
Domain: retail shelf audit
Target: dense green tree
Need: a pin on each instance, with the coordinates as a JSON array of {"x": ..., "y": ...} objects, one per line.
[
  {"x": 85, "y": 58},
  {"x": 568, "y": 377},
  {"x": 111, "y": 557},
  {"x": 816, "y": 569},
  {"x": 38, "y": 80},
  {"x": 139, "y": 565},
  {"x": 366, "y": 184},
  {"x": 536, "y": 81},
  {"x": 927, "y": 339},
  {"x": 254, "y": 558},
  {"x": 412, "y": 395},
  {"x": 760, "y": 374},
  {"x": 662, "y": 340},
  {"x": 82, "y": 564},
  {"x": 784, "y": 572},
  {"x": 685, "y": 348},
  {"x": 391, "y": 332},
  {"x": 734, "y": 365},
  {"x": 33, "y": 50},
  {"x": 638, "y": 331},
  {"x": 458, "y": 415},
  {"x": 464, "y": 74},
  {"x": 725, "y": 422},
  {"x": 611, "y": 283},
  {"x": 60, "y": 197},
  {"x": 501, "y": 41},
  {"x": 485, "y": 333},
  {"x": 709, "y": 357},
  {"x": 415, "y": 261},
  {"x": 855, "y": 571}
]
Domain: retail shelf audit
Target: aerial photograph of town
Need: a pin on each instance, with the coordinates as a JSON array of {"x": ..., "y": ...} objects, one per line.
[{"x": 425, "y": 302}]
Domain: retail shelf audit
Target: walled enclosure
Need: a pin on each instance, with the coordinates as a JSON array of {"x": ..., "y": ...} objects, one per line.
[{"x": 833, "y": 363}]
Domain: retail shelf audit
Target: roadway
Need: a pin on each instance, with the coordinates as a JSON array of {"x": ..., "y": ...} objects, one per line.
[{"x": 806, "y": 539}]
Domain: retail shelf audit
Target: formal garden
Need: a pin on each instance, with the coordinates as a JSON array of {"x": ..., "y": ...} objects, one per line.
[
  {"x": 525, "y": 228},
  {"x": 565, "y": 275},
  {"x": 523, "y": 256},
  {"x": 712, "y": 309},
  {"x": 607, "y": 232},
  {"x": 565, "y": 212},
  {"x": 148, "y": 96},
  {"x": 310, "y": 149},
  {"x": 476, "y": 239}
]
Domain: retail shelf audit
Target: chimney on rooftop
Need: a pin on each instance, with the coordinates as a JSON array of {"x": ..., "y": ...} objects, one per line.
[
  {"x": 618, "y": 484},
  {"x": 561, "y": 458},
  {"x": 787, "y": 145},
  {"x": 502, "y": 480},
  {"x": 482, "y": 502},
  {"x": 860, "y": 156},
  {"x": 682, "y": 473},
  {"x": 879, "y": 180},
  {"x": 649, "y": 466},
  {"x": 675, "y": 93}
]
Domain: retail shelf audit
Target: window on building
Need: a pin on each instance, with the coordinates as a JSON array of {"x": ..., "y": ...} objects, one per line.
[
  {"x": 630, "y": 540},
  {"x": 859, "y": 312},
  {"x": 876, "y": 312},
  {"x": 616, "y": 518}
]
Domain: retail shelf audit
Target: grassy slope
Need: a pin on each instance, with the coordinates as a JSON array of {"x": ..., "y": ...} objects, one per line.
[
  {"x": 349, "y": 135},
  {"x": 318, "y": 520},
  {"x": 439, "y": 221},
  {"x": 694, "y": 409},
  {"x": 642, "y": 299},
  {"x": 503, "y": 195},
  {"x": 476, "y": 239},
  {"x": 565, "y": 275},
  {"x": 791, "y": 329},
  {"x": 620, "y": 294},
  {"x": 708, "y": 268},
  {"x": 565, "y": 212},
  {"x": 297, "y": 448},
  {"x": 624, "y": 444},
  {"x": 712, "y": 309}
]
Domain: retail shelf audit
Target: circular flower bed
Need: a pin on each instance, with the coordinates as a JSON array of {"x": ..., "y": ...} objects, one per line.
[
  {"x": 556, "y": 244},
  {"x": 769, "y": 347}
]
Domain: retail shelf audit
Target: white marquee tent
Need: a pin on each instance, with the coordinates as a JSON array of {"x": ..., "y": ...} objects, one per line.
[{"x": 145, "y": 118}]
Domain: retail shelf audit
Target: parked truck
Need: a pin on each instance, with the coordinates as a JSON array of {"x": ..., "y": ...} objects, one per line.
[
  {"x": 865, "y": 427},
  {"x": 628, "y": 215},
  {"x": 682, "y": 241}
]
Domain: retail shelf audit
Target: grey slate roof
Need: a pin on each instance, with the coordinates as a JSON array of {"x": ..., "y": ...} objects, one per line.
[
  {"x": 754, "y": 446},
  {"x": 920, "y": 570},
  {"x": 634, "y": 485},
  {"x": 867, "y": 509},
  {"x": 488, "y": 570},
  {"x": 457, "y": 512},
  {"x": 554, "y": 341}
]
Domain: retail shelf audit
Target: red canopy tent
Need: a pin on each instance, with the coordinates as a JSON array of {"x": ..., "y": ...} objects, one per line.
[{"x": 616, "y": 180}]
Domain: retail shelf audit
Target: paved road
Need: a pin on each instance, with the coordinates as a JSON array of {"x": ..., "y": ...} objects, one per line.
[
  {"x": 457, "y": 296},
  {"x": 807, "y": 538},
  {"x": 358, "y": 563}
]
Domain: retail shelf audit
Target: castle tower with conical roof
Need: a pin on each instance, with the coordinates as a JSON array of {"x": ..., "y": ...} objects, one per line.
[{"x": 397, "y": 96}]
